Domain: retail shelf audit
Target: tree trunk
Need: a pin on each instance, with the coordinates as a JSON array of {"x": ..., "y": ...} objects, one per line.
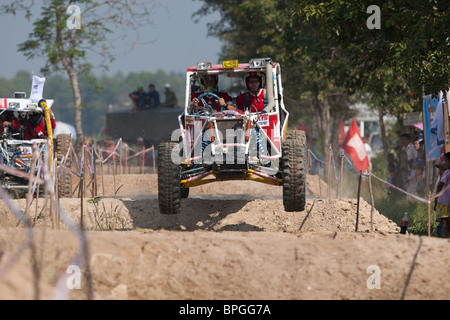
[
  {"x": 73, "y": 77},
  {"x": 321, "y": 110},
  {"x": 338, "y": 117},
  {"x": 77, "y": 108},
  {"x": 383, "y": 135}
]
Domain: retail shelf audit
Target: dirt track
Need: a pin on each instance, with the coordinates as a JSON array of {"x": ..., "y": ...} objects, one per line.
[{"x": 233, "y": 240}]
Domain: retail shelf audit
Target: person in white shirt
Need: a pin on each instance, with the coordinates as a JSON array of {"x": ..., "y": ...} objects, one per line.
[{"x": 406, "y": 158}]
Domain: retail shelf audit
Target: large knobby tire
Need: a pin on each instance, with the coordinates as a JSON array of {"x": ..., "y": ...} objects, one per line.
[
  {"x": 294, "y": 171},
  {"x": 65, "y": 181},
  {"x": 169, "y": 189}
]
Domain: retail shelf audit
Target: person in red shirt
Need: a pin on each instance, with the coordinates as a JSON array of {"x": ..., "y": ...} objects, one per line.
[
  {"x": 35, "y": 127},
  {"x": 209, "y": 84},
  {"x": 253, "y": 99}
]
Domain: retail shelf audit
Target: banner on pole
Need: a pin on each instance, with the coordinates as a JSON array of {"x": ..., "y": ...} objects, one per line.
[
  {"x": 37, "y": 88},
  {"x": 430, "y": 114}
]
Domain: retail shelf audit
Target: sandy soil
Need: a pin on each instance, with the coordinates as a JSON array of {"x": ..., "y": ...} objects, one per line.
[{"x": 233, "y": 240}]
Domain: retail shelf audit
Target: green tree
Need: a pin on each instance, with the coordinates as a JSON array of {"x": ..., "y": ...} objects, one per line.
[
  {"x": 70, "y": 47},
  {"x": 413, "y": 39},
  {"x": 311, "y": 66},
  {"x": 19, "y": 83},
  {"x": 330, "y": 56}
]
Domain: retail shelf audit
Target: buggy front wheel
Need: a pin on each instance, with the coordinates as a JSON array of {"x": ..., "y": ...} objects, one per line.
[
  {"x": 294, "y": 171},
  {"x": 169, "y": 189}
]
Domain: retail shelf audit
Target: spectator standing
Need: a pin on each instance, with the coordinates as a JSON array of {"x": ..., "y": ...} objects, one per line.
[
  {"x": 442, "y": 203},
  {"x": 392, "y": 170},
  {"x": 406, "y": 157},
  {"x": 419, "y": 166}
]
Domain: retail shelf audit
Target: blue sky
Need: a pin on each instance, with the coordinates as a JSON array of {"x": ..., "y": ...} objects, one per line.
[{"x": 178, "y": 42}]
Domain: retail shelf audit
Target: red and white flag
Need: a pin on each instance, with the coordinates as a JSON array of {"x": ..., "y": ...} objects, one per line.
[{"x": 354, "y": 146}]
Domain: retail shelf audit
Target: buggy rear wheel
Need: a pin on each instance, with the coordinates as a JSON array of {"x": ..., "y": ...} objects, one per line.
[
  {"x": 294, "y": 171},
  {"x": 169, "y": 189},
  {"x": 65, "y": 182}
]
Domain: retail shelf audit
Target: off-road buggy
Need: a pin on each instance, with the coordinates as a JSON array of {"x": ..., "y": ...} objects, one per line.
[
  {"x": 212, "y": 145},
  {"x": 16, "y": 153}
]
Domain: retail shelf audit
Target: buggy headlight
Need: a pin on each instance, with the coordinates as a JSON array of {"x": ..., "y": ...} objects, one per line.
[
  {"x": 14, "y": 105},
  {"x": 259, "y": 62},
  {"x": 204, "y": 65}
]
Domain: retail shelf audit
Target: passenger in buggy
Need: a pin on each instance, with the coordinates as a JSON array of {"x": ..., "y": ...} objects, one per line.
[
  {"x": 35, "y": 127},
  {"x": 253, "y": 99}
]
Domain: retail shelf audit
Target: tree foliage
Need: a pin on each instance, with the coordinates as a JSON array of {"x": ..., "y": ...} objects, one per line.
[
  {"x": 312, "y": 67},
  {"x": 413, "y": 41},
  {"x": 331, "y": 57}
]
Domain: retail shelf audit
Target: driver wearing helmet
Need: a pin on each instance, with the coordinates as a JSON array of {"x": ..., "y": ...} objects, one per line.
[
  {"x": 7, "y": 120},
  {"x": 35, "y": 127},
  {"x": 253, "y": 99},
  {"x": 209, "y": 84}
]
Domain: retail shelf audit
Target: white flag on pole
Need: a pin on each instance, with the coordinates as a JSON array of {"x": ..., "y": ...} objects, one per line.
[{"x": 37, "y": 88}]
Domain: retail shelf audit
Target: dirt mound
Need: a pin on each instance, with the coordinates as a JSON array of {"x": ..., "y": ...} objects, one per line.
[{"x": 233, "y": 240}]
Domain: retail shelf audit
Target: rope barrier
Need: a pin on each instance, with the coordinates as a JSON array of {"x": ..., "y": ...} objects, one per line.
[
  {"x": 113, "y": 151},
  {"x": 47, "y": 178},
  {"x": 370, "y": 174}
]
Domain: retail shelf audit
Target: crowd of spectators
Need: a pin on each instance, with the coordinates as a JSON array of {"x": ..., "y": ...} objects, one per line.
[{"x": 143, "y": 100}]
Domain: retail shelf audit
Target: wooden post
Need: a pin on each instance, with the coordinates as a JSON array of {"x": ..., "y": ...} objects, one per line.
[
  {"x": 82, "y": 178},
  {"x": 329, "y": 173},
  {"x": 429, "y": 217},
  {"x": 114, "y": 172},
  {"x": 357, "y": 201},
  {"x": 427, "y": 191},
  {"x": 94, "y": 173},
  {"x": 154, "y": 162},
  {"x": 318, "y": 175},
  {"x": 142, "y": 160},
  {"x": 49, "y": 171},
  {"x": 120, "y": 157},
  {"x": 342, "y": 174},
  {"x": 85, "y": 164},
  {"x": 37, "y": 195},
  {"x": 103, "y": 178},
  {"x": 126, "y": 160},
  {"x": 30, "y": 182},
  {"x": 372, "y": 202},
  {"x": 57, "y": 213},
  {"x": 308, "y": 161}
]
